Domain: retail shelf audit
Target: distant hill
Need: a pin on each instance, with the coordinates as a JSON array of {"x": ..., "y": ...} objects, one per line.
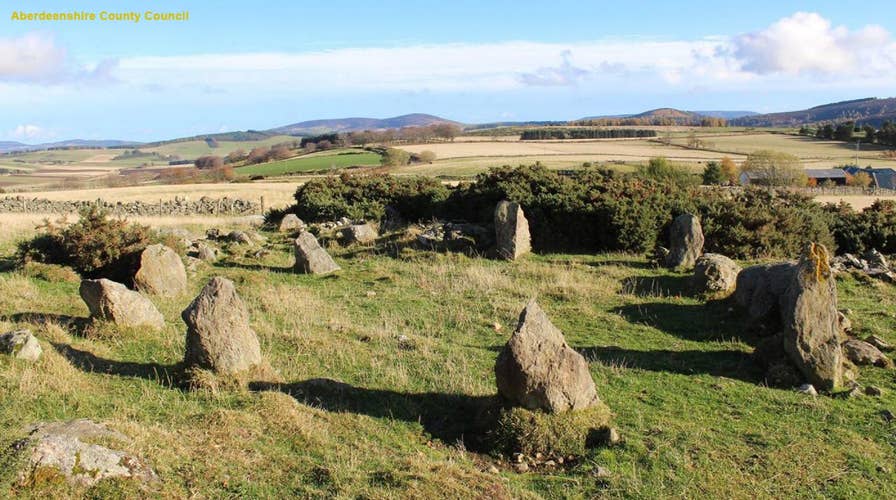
[
  {"x": 659, "y": 116},
  {"x": 872, "y": 111},
  {"x": 315, "y": 127},
  {"x": 728, "y": 115},
  {"x": 7, "y": 146},
  {"x": 11, "y": 147}
]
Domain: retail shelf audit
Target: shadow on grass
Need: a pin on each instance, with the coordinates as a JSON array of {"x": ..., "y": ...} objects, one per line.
[
  {"x": 73, "y": 324},
  {"x": 698, "y": 322},
  {"x": 252, "y": 267},
  {"x": 728, "y": 363},
  {"x": 657, "y": 286},
  {"x": 7, "y": 265},
  {"x": 166, "y": 375},
  {"x": 452, "y": 418},
  {"x": 633, "y": 264}
]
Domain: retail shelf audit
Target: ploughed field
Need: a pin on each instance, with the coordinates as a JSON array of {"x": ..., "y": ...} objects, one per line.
[{"x": 413, "y": 335}]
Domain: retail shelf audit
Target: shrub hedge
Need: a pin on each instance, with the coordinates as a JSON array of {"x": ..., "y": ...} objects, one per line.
[{"x": 600, "y": 210}]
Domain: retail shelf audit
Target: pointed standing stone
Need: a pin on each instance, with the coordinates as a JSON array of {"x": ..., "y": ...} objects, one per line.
[
  {"x": 539, "y": 371},
  {"x": 310, "y": 257},
  {"x": 686, "y": 242},
  {"x": 219, "y": 337},
  {"x": 809, "y": 315},
  {"x": 511, "y": 231}
]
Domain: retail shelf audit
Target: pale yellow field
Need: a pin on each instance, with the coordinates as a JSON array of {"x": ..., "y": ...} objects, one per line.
[
  {"x": 858, "y": 202},
  {"x": 596, "y": 150},
  {"x": 276, "y": 194}
]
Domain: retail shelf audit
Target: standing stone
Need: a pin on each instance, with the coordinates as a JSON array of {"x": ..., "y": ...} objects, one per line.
[
  {"x": 539, "y": 371},
  {"x": 310, "y": 257},
  {"x": 111, "y": 301},
  {"x": 20, "y": 344},
  {"x": 161, "y": 272},
  {"x": 291, "y": 223},
  {"x": 219, "y": 337},
  {"x": 715, "y": 275},
  {"x": 686, "y": 240},
  {"x": 511, "y": 231},
  {"x": 359, "y": 233},
  {"x": 811, "y": 335}
]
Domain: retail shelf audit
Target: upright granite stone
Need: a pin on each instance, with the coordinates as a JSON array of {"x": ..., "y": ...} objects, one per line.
[
  {"x": 686, "y": 242},
  {"x": 310, "y": 257},
  {"x": 291, "y": 223},
  {"x": 161, "y": 272},
  {"x": 539, "y": 371},
  {"x": 111, "y": 301},
  {"x": 20, "y": 344},
  {"x": 219, "y": 337},
  {"x": 511, "y": 231},
  {"x": 359, "y": 233},
  {"x": 715, "y": 275},
  {"x": 811, "y": 334}
]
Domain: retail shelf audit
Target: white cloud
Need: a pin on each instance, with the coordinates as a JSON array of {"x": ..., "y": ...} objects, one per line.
[
  {"x": 809, "y": 43},
  {"x": 37, "y": 58},
  {"x": 31, "y": 57},
  {"x": 563, "y": 75},
  {"x": 27, "y": 132}
]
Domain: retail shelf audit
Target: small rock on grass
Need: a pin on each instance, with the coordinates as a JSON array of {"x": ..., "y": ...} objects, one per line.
[
  {"x": 873, "y": 390},
  {"x": 807, "y": 389},
  {"x": 20, "y": 344}
]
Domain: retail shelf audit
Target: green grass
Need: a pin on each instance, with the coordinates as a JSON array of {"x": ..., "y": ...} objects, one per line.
[
  {"x": 676, "y": 373},
  {"x": 190, "y": 150},
  {"x": 313, "y": 163}
]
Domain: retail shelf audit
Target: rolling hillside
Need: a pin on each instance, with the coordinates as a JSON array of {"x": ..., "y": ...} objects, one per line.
[
  {"x": 872, "y": 111},
  {"x": 315, "y": 127}
]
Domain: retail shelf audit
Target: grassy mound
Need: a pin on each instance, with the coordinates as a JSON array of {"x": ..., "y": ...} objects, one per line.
[{"x": 530, "y": 432}]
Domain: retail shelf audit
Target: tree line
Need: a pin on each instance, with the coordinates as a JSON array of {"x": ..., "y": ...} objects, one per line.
[
  {"x": 584, "y": 133},
  {"x": 850, "y": 131}
]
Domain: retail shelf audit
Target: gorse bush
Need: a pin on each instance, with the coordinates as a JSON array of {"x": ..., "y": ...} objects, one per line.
[
  {"x": 872, "y": 228},
  {"x": 367, "y": 196},
  {"x": 95, "y": 246},
  {"x": 763, "y": 223},
  {"x": 596, "y": 210}
]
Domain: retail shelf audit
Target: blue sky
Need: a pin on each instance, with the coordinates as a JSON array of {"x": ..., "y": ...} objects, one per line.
[{"x": 239, "y": 65}]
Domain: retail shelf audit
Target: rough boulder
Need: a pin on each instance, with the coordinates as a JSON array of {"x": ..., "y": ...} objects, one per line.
[
  {"x": 539, "y": 371},
  {"x": 20, "y": 344},
  {"x": 715, "y": 275},
  {"x": 111, "y": 301},
  {"x": 219, "y": 337},
  {"x": 311, "y": 258},
  {"x": 161, "y": 272},
  {"x": 72, "y": 449}
]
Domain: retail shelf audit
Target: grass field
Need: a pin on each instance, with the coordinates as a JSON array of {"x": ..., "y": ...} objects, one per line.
[
  {"x": 313, "y": 163},
  {"x": 190, "y": 150},
  {"x": 697, "y": 421}
]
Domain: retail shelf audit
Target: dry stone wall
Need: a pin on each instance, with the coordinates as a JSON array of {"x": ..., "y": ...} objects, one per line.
[{"x": 177, "y": 206}]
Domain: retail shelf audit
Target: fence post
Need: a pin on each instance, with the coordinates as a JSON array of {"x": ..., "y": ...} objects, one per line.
[
  {"x": 160, "y": 207},
  {"x": 262, "y": 205}
]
